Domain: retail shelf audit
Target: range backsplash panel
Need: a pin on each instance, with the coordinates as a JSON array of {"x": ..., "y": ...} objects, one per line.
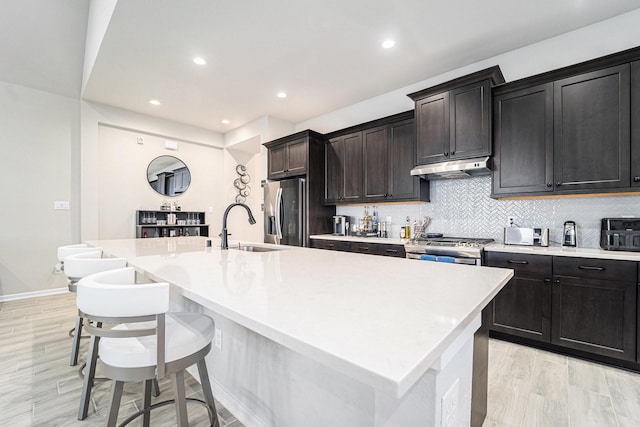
[{"x": 463, "y": 208}]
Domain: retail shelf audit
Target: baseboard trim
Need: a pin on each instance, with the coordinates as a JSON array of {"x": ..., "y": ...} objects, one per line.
[{"x": 33, "y": 294}]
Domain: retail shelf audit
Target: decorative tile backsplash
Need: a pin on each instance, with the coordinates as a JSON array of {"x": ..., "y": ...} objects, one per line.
[{"x": 463, "y": 208}]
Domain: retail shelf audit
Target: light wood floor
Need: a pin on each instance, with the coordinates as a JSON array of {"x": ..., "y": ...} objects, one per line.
[
  {"x": 39, "y": 388},
  {"x": 527, "y": 387}
]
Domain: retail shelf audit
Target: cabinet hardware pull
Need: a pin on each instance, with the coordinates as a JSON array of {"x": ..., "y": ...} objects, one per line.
[
  {"x": 636, "y": 179},
  {"x": 364, "y": 248},
  {"x": 453, "y": 152},
  {"x": 446, "y": 153},
  {"x": 587, "y": 267},
  {"x": 511, "y": 261},
  {"x": 557, "y": 281},
  {"x": 393, "y": 251},
  {"x": 549, "y": 184},
  {"x": 331, "y": 245},
  {"x": 547, "y": 281},
  {"x": 558, "y": 184}
]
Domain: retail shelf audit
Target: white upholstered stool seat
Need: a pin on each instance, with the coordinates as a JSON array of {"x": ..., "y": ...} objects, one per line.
[
  {"x": 82, "y": 263},
  {"x": 147, "y": 342},
  {"x": 187, "y": 333}
]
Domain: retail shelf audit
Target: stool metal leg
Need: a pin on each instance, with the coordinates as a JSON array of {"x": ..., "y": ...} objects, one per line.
[
  {"x": 181, "y": 399},
  {"x": 89, "y": 375},
  {"x": 146, "y": 404},
  {"x": 75, "y": 346},
  {"x": 156, "y": 388},
  {"x": 116, "y": 397},
  {"x": 206, "y": 389}
]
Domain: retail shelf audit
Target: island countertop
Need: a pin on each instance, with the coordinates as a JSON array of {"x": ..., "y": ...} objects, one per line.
[{"x": 384, "y": 321}]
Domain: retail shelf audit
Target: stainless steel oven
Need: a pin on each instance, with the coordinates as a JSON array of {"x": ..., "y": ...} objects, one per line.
[{"x": 457, "y": 250}]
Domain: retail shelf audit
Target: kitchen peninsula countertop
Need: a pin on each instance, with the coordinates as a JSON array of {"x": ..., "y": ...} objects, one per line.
[
  {"x": 384, "y": 323},
  {"x": 558, "y": 250}
]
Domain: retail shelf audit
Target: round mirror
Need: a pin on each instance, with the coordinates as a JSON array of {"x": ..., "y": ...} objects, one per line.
[{"x": 168, "y": 175}]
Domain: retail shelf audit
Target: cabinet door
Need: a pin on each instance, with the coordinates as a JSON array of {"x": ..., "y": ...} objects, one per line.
[
  {"x": 523, "y": 141},
  {"x": 402, "y": 154},
  {"x": 353, "y": 168},
  {"x": 432, "y": 127},
  {"x": 595, "y": 316},
  {"x": 364, "y": 248},
  {"x": 592, "y": 127},
  {"x": 277, "y": 161},
  {"x": 523, "y": 307},
  {"x": 469, "y": 121},
  {"x": 376, "y": 163},
  {"x": 635, "y": 123},
  {"x": 334, "y": 170},
  {"x": 297, "y": 157},
  {"x": 391, "y": 250}
]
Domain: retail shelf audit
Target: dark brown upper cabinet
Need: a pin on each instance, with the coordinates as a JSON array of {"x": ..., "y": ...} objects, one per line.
[
  {"x": 387, "y": 149},
  {"x": 575, "y": 130},
  {"x": 287, "y": 158},
  {"x": 343, "y": 166},
  {"x": 592, "y": 130},
  {"x": 523, "y": 141},
  {"x": 635, "y": 124},
  {"x": 453, "y": 119}
]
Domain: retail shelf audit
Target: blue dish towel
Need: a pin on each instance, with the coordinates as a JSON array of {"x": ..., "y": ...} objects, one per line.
[
  {"x": 428, "y": 257},
  {"x": 446, "y": 259}
]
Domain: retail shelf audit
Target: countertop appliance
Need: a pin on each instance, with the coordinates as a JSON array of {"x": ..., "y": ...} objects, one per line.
[
  {"x": 285, "y": 212},
  {"x": 569, "y": 232},
  {"x": 534, "y": 236},
  {"x": 458, "y": 250},
  {"x": 340, "y": 225},
  {"x": 620, "y": 234}
]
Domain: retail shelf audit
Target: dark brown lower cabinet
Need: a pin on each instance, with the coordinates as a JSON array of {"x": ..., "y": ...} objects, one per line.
[
  {"x": 584, "y": 304},
  {"x": 594, "y": 309},
  {"x": 523, "y": 307},
  {"x": 359, "y": 247}
]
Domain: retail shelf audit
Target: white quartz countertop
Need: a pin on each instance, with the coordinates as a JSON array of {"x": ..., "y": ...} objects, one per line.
[
  {"x": 388, "y": 241},
  {"x": 556, "y": 250},
  {"x": 381, "y": 320}
]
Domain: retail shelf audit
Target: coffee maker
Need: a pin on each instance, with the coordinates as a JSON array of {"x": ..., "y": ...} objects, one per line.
[
  {"x": 340, "y": 225},
  {"x": 569, "y": 234}
]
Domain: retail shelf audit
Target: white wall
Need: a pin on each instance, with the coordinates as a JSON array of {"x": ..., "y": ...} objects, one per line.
[
  {"x": 39, "y": 145},
  {"x": 94, "y": 117},
  {"x": 123, "y": 185}
]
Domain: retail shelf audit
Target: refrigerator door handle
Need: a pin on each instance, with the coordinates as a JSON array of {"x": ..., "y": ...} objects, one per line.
[{"x": 278, "y": 215}]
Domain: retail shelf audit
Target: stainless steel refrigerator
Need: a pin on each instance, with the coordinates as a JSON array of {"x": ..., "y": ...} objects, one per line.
[{"x": 285, "y": 212}]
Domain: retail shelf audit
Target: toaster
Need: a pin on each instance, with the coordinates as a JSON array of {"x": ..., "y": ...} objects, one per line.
[
  {"x": 620, "y": 234},
  {"x": 534, "y": 236}
]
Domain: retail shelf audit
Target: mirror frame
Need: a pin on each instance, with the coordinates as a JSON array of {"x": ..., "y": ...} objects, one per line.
[{"x": 179, "y": 177}]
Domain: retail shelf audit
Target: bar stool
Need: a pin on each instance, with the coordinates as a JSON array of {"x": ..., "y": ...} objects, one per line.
[
  {"x": 147, "y": 343},
  {"x": 77, "y": 266}
]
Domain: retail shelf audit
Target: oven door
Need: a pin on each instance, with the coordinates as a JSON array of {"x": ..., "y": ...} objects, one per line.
[{"x": 443, "y": 258}]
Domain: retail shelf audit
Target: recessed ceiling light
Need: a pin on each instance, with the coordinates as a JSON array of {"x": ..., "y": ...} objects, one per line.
[
  {"x": 388, "y": 44},
  {"x": 224, "y": 121},
  {"x": 154, "y": 102},
  {"x": 198, "y": 60},
  {"x": 282, "y": 94}
]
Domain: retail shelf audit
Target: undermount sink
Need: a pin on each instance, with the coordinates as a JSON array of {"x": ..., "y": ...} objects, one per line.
[{"x": 251, "y": 248}]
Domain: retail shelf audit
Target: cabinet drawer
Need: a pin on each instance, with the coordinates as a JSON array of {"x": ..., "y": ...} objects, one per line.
[
  {"x": 364, "y": 248},
  {"x": 593, "y": 268},
  {"x": 391, "y": 250},
  {"x": 337, "y": 245},
  {"x": 522, "y": 264}
]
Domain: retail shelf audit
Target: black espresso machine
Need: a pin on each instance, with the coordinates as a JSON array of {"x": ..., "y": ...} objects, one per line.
[{"x": 620, "y": 234}]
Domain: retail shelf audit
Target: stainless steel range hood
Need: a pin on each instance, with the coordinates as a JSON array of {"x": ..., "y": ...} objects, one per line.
[{"x": 453, "y": 169}]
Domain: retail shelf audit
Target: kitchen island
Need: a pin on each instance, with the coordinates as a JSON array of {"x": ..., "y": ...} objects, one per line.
[{"x": 312, "y": 337}]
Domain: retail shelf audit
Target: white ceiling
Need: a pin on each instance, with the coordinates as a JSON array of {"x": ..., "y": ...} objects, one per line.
[{"x": 324, "y": 54}]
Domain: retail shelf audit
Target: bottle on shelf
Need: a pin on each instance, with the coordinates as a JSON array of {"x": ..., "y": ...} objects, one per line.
[
  {"x": 374, "y": 221},
  {"x": 407, "y": 228}
]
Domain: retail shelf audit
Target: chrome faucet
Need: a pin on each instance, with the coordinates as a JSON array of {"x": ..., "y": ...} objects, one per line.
[{"x": 224, "y": 235}]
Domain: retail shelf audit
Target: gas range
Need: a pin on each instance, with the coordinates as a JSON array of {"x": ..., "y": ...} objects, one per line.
[{"x": 460, "y": 250}]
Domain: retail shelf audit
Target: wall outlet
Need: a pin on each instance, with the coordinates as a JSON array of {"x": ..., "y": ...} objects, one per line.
[
  {"x": 61, "y": 205},
  {"x": 449, "y": 414},
  {"x": 511, "y": 221},
  {"x": 217, "y": 339}
]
